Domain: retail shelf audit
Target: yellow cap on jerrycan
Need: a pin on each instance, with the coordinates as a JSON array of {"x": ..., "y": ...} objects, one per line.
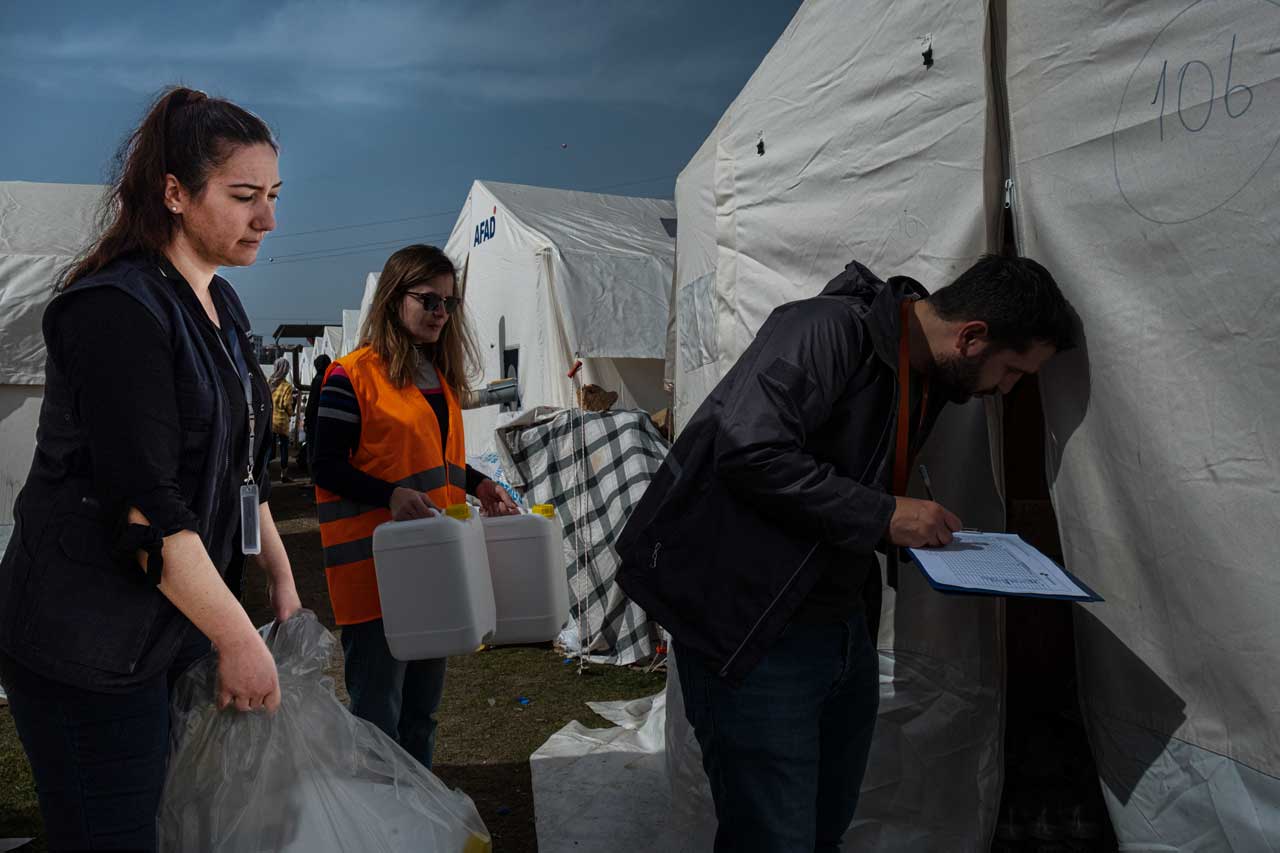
[
  {"x": 544, "y": 510},
  {"x": 459, "y": 511}
]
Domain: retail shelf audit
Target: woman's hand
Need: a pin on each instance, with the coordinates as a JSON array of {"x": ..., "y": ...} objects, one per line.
[
  {"x": 407, "y": 504},
  {"x": 274, "y": 560},
  {"x": 284, "y": 597},
  {"x": 247, "y": 675},
  {"x": 494, "y": 499}
]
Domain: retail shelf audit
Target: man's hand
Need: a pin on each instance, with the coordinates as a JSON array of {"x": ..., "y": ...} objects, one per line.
[{"x": 921, "y": 524}]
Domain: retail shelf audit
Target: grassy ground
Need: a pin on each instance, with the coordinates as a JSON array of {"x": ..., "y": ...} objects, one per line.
[{"x": 485, "y": 735}]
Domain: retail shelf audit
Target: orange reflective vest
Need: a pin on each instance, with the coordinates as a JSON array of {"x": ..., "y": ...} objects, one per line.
[{"x": 399, "y": 443}]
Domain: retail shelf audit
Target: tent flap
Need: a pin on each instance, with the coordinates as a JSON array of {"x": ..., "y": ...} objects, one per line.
[{"x": 1142, "y": 149}]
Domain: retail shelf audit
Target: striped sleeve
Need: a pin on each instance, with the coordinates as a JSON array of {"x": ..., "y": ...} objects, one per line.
[
  {"x": 337, "y": 438},
  {"x": 338, "y": 399}
]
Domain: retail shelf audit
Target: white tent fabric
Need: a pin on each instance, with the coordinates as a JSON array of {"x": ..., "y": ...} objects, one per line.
[
  {"x": 1144, "y": 174},
  {"x": 306, "y": 365},
  {"x": 867, "y": 155},
  {"x": 557, "y": 275},
  {"x": 43, "y": 227},
  {"x": 366, "y": 300},
  {"x": 350, "y": 330},
  {"x": 692, "y": 361},
  {"x": 330, "y": 343}
]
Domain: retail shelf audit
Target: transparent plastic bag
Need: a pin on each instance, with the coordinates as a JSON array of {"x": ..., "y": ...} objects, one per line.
[{"x": 310, "y": 778}]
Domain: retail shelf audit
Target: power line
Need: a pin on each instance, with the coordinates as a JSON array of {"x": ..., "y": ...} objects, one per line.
[
  {"x": 333, "y": 255},
  {"x": 335, "y": 251},
  {"x": 404, "y": 240},
  {"x": 365, "y": 224},
  {"x": 453, "y": 212}
]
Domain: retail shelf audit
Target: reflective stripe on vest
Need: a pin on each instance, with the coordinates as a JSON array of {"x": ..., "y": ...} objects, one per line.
[
  {"x": 423, "y": 481},
  {"x": 400, "y": 444}
]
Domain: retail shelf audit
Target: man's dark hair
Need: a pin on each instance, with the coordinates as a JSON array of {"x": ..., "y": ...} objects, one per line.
[
  {"x": 322, "y": 363},
  {"x": 1016, "y": 297}
]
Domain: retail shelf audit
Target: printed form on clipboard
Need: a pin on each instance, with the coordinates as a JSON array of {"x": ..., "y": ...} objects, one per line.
[{"x": 998, "y": 564}]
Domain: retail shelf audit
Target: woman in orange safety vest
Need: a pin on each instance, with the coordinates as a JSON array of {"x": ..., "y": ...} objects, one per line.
[{"x": 390, "y": 446}]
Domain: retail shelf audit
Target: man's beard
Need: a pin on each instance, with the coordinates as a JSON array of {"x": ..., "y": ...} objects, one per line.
[{"x": 957, "y": 377}]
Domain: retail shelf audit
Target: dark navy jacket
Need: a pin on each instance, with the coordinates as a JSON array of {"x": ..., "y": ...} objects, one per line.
[
  {"x": 74, "y": 604},
  {"x": 781, "y": 475}
]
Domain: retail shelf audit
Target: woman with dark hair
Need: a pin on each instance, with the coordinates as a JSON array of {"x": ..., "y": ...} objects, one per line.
[
  {"x": 389, "y": 447},
  {"x": 148, "y": 488}
]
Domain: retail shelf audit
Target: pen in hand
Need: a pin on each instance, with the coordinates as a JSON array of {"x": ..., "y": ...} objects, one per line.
[
  {"x": 928, "y": 490},
  {"x": 928, "y": 486}
]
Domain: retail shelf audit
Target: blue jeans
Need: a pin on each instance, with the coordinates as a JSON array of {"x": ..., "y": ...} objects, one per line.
[
  {"x": 99, "y": 759},
  {"x": 398, "y": 697},
  {"x": 785, "y": 751}
]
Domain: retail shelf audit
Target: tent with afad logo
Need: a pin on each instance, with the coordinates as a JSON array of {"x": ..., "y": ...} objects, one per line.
[{"x": 556, "y": 276}]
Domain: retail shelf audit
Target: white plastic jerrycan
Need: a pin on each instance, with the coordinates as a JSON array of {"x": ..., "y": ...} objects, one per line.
[
  {"x": 530, "y": 587},
  {"x": 434, "y": 584}
]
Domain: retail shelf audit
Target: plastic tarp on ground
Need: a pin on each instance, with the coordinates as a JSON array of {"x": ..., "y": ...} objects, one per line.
[
  {"x": 867, "y": 155},
  {"x": 555, "y": 275},
  {"x": 1145, "y": 175},
  {"x": 43, "y": 227}
]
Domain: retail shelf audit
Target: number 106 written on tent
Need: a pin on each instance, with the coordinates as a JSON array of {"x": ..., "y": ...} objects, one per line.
[{"x": 1190, "y": 78}]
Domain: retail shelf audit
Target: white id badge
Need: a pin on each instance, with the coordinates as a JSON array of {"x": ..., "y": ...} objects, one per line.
[{"x": 250, "y": 541}]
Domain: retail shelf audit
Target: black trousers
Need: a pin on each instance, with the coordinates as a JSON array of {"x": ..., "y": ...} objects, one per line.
[
  {"x": 284, "y": 453},
  {"x": 99, "y": 759}
]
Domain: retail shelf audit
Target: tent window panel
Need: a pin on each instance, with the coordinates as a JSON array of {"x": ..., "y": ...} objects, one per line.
[
  {"x": 511, "y": 370},
  {"x": 697, "y": 323}
]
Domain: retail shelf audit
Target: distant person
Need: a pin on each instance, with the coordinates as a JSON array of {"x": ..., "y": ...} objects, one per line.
[
  {"x": 321, "y": 363},
  {"x": 126, "y": 554},
  {"x": 282, "y": 408},
  {"x": 755, "y": 543},
  {"x": 390, "y": 446}
]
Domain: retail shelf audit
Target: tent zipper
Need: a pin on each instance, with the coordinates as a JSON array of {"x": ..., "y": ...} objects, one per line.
[{"x": 997, "y": 39}]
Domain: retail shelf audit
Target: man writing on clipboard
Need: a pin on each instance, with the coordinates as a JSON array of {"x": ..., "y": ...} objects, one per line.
[{"x": 755, "y": 542}]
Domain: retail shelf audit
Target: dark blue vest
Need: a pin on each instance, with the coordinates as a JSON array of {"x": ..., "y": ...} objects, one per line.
[{"x": 71, "y": 607}]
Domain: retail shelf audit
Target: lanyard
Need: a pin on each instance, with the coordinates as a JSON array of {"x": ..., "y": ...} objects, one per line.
[
  {"x": 901, "y": 462},
  {"x": 238, "y": 364},
  {"x": 242, "y": 370}
]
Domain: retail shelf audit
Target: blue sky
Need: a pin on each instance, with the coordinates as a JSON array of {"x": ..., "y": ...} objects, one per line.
[{"x": 384, "y": 110}]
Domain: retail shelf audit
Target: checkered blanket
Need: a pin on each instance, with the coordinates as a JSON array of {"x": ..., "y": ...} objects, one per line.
[{"x": 593, "y": 492}]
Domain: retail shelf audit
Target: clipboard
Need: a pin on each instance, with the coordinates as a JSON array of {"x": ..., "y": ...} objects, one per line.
[{"x": 998, "y": 564}]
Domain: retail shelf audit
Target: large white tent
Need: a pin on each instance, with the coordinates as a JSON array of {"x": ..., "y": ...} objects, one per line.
[
  {"x": 43, "y": 227},
  {"x": 1138, "y": 143},
  {"x": 556, "y": 275}
]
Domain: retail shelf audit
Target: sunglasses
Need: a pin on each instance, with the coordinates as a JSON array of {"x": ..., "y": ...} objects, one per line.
[{"x": 431, "y": 301}]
